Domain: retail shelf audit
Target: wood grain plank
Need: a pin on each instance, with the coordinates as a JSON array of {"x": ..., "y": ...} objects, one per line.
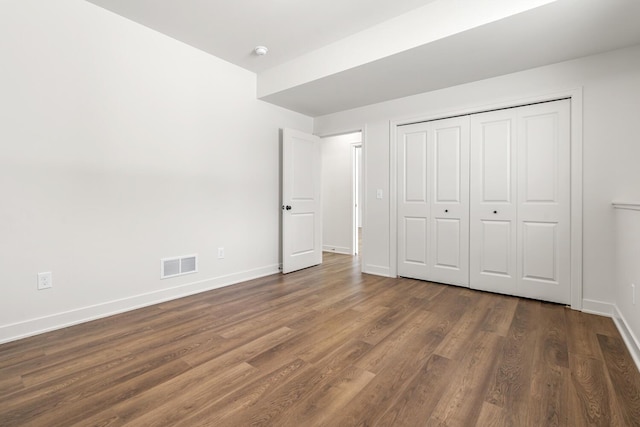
[
  {"x": 500, "y": 314},
  {"x": 395, "y": 374},
  {"x": 177, "y": 399},
  {"x": 590, "y": 398},
  {"x": 73, "y": 407},
  {"x": 359, "y": 329},
  {"x": 314, "y": 342},
  {"x": 456, "y": 343},
  {"x": 10, "y": 385},
  {"x": 581, "y": 333},
  {"x": 492, "y": 415},
  {"x": 231, "y": 408},
  {"x": 106, "y": 418},
  {"x": 622, "y": 372},
  {"x": 421, "y": 395},
  {"x": 550, "y": 373},
  {"x": 331, "y": 398},
  {"x": 303, "y": 385},
  {"x": 510, "y": 384},
  {"x": 461, "y": 402},
  {"x": 240, "y": 351},
  {"x": 423, "y": 331}
]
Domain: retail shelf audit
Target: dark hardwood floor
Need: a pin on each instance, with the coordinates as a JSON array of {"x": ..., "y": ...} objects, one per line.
[{"x": 326, "y": 346}]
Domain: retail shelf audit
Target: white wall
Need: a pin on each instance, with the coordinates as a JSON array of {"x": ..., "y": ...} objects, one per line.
[
  {"x": 628, "y": 273},
  {"x": 611, "y": 97},
  {"x": 337, "y": 192},
  {"x": 375, "y": 224},
  {"x": 120, "y": 146}
]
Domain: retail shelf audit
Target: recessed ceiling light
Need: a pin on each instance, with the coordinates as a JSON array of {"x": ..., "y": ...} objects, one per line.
[{"x": 261, "y": 50}]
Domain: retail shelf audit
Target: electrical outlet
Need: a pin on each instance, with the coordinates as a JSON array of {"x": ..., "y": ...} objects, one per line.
[
  {"x": 45, "y": 280},
  {"x": 220, "y": 253}
]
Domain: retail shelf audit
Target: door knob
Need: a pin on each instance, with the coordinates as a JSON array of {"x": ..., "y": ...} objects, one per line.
[
  {"x": 495, "y": 212},
  {"x": 286, "y": 207},
  {"x": 446, "y": 210}
]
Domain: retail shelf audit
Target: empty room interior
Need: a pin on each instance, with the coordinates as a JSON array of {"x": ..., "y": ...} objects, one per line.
[{"x": 336, "y": 213}]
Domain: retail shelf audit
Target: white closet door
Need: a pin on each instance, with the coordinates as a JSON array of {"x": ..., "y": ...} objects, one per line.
[
  {"x": 414, "y": 204},
  {"x": 544, "y": 216},
  {"x": 520, "y": 201},
  {"x": 433, "y": 201},
  {"x": 450, "y": 202},
  {"x": 493, "y": 202}
]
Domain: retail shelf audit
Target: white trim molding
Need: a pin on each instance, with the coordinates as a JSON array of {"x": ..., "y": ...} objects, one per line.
[
  {"x": 337, "y": 249},
  {"x": 632, "y": 342},
  {"x": 632, "y": 206},
  {"x": 377, "y": 270},
  {"x": 598, "y": 307},
  {"x": 611, "y": 310},
  {"x": 27, "y": 328}
]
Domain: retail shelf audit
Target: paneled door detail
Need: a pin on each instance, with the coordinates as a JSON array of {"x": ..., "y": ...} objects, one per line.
[
  {"x": 433, "y": 195},
  {"x": 414, "y": 207},
  {"x": 544, "y": 216},
  {"x": 450, "y": 202},
  {"x": 520, "y": 201},
  {"x": 301, "y": 208},
  {"x": 493, "y": 201}
]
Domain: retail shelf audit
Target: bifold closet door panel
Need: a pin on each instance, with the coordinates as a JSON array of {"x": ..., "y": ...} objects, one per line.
[
  {"x": 544, "y": 197},
  {"x": 493, "y": 241},
  {"x": 450, "y": 202},
  {"x": 414, "y": 204},
  {"x": 433, "y": 201},
  {"x": 520, "y": 201}
]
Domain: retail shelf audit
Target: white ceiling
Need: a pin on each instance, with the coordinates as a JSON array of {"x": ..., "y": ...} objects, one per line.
[
  {"x": 550, "y": 34},
  {"x": 296, "y": 30},
  {"x": 230, "y": 29}
]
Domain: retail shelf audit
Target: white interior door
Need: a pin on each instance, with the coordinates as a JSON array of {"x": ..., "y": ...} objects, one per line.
[
  {"x": 433, "y": 207},
  {"x": 493, "y": 202},
  {"x": 544, "y": 200},
  {"x": 450, "y": 201},
  {"x": 301, "y": 204},
  {"x": 414, "y": 201}
]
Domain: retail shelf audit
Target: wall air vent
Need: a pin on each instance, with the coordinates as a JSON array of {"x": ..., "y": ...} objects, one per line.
[{"x": 178, "y": 266}]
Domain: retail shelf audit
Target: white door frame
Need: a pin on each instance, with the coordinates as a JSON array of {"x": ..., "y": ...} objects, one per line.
[
  {"x": 363, "y": 171},
  {"x": 355, "y": 195},
  {"x": 575, "y": 96}
]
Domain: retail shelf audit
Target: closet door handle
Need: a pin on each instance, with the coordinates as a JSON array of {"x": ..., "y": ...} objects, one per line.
[
  {"x": 446, "y": 210},
  {"x": 495, "y": 212}
]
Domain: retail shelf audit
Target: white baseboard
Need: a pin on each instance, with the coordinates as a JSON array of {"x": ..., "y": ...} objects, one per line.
[
  {"x": 377, "y": 270},
  {"x": 337, "y": 249},
  {"x": 611, "y": 310},
  {"x": 632, "y": 342},
  {"x": 40, "y": 325},
  {"x": 598, "y": 307}
]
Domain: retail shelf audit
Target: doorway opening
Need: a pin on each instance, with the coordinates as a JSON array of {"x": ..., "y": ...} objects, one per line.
[{"x": 342, "y": 193}]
